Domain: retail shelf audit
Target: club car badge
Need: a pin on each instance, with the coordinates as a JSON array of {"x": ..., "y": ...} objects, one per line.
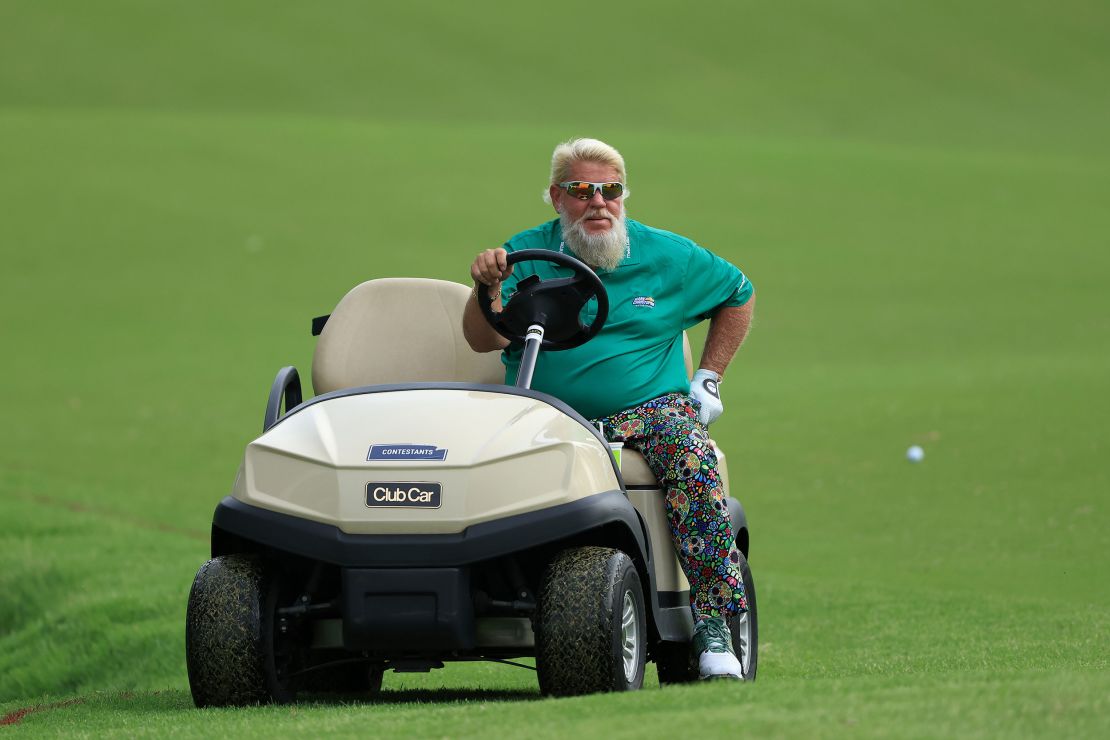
[{"x": 407, "y": 494}]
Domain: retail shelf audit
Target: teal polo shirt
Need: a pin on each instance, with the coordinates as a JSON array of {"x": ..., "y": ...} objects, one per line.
[{"x": 665, "y": 284}]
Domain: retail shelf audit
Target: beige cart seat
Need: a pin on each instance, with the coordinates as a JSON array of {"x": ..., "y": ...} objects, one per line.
[
  {"x": 400, "y": 330},
  {"x": 406, "y": 330}
]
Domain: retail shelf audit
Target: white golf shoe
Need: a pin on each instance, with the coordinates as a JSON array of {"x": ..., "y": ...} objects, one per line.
[{"x": 713, "y": 646}]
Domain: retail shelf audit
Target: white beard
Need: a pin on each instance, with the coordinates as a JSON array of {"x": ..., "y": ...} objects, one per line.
[{"x": 604, "y": 250}]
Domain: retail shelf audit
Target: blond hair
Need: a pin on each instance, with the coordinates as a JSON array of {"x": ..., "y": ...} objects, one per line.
[{"x": 582, "y": 150}]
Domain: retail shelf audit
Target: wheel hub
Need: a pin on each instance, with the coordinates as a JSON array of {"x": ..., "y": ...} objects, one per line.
[
  {"x": 630, "y": 637},
  {"x": 742, "y": 636}
]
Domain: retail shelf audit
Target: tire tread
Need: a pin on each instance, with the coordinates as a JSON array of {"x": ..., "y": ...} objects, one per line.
[
  {"x": 223, "y": 646},
  {"x": 575, "y": 622}
]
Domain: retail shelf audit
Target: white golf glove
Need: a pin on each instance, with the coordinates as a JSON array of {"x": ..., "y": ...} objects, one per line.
[{"x": 704, "y": 387}]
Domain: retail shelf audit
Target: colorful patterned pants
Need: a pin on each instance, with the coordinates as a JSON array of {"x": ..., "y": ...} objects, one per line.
[{"x": 666, "y": 431}]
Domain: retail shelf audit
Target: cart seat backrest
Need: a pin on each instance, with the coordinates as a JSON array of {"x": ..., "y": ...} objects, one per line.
[
  {"x": 400, "y": 330},
  {"x": 405, "y": 330}
]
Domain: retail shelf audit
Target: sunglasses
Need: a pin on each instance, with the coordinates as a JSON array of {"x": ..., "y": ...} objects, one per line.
[{"x": 585, "y": 190}]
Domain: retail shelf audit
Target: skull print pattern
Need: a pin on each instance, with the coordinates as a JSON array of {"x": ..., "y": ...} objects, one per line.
[{"x": 676, "y": 446}]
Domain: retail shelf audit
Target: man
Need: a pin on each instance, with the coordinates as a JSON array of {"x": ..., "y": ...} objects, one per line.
[{"x": 632, "y": 375}]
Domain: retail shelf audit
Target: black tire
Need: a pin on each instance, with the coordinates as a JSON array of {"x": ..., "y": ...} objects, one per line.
[
  {"x": 229, "y": 631},
  {"x": 591, "y": 634},
  {"x": 674, "y": 662},
  {"x": 745, "y": 627}
]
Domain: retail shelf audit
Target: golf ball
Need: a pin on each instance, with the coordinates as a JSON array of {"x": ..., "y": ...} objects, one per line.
[{"x": 915, "y": 454}]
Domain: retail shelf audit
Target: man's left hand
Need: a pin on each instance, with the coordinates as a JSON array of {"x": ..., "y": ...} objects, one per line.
[{"x": 705, "y": 388}]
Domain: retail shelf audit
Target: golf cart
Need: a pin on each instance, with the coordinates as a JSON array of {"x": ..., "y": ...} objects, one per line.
[{"x": 417, "y": 510}]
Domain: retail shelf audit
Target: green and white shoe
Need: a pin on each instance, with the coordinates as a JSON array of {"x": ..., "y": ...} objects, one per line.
[{"x": 712, "y": 645}]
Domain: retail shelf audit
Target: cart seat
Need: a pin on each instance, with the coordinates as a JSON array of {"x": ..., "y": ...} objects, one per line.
[
  {"x": 405, "y": 330},
  {"x": 400, "y": 330}
]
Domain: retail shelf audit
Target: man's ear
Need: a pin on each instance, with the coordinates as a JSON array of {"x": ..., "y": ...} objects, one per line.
[{"x": 555, "y": 192}]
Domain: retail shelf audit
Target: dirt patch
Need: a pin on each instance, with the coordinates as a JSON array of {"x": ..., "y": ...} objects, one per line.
[
  {"x": 82, "y": 508},
  {"x": 16, "y": 716}
]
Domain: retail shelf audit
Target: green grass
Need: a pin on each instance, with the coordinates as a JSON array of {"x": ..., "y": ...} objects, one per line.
[
  {"x": 917, "y": 190},
  {"x": 1034, "y": 704}
]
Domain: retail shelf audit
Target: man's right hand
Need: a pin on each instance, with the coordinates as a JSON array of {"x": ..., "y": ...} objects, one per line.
[{"x": 490, "y": 268}]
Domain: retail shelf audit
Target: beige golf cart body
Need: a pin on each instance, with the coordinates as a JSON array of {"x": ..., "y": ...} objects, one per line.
[{"x": 412, "y": 433}]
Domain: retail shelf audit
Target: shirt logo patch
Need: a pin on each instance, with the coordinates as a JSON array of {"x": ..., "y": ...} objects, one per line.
[{"x": 644, "y": 300}]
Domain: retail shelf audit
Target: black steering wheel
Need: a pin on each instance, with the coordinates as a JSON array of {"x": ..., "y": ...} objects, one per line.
[{"x": 553, "y": 304}]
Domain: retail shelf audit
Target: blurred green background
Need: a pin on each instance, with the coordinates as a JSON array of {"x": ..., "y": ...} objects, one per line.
[{"x": 917, "y": 189}]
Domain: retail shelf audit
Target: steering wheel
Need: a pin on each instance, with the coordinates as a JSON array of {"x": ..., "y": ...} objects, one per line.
[{"x": 553, "y": 304}]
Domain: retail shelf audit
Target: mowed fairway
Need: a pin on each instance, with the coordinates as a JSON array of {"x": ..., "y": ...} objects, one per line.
[{"x": 918, "y": 190}]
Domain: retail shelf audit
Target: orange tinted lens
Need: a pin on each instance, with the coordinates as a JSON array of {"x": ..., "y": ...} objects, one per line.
[
  {"x": 612, "y": 190},
  {"x": 581, "y": 190}
]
